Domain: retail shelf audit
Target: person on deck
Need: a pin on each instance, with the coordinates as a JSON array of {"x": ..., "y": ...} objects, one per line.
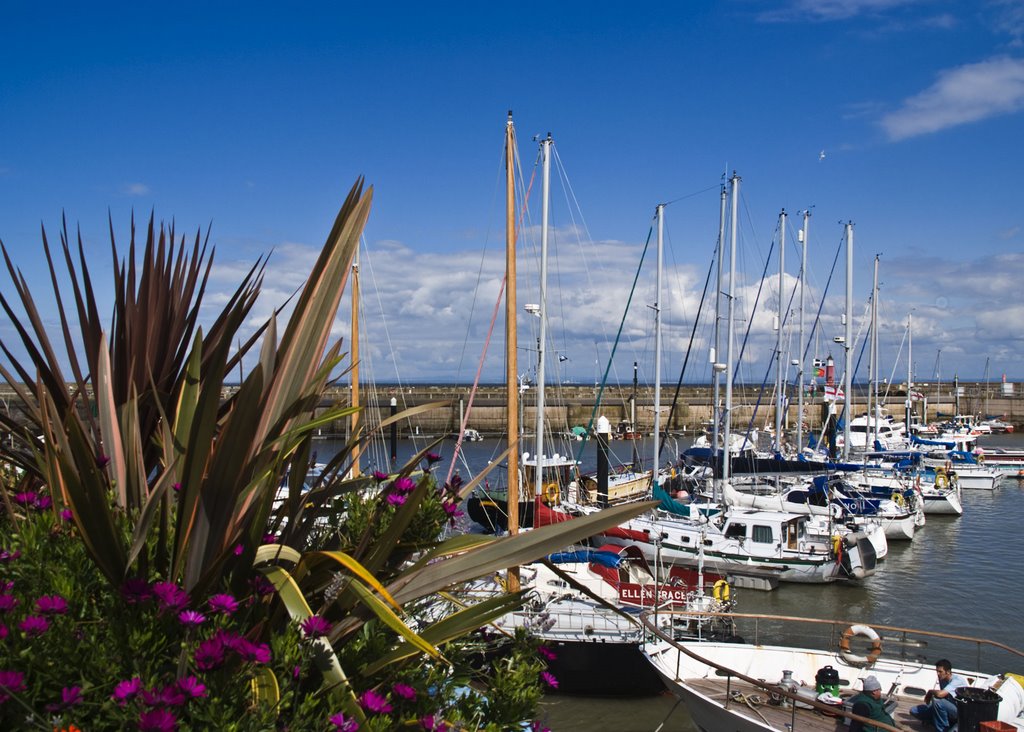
[
  {"x": 868, "y": 703},
  {"x": 939, "y": 706}
]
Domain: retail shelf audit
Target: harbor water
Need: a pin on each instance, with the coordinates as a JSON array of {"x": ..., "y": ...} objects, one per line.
[{"x": 960, "y": 575}]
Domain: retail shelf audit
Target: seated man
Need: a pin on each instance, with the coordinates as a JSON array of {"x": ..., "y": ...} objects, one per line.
[
  {"x": 939, "y": 706},
  {"x": 868, "y": 703}
]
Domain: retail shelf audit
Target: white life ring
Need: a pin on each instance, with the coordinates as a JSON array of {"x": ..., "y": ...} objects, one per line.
[{"x": 864, "y": 631}]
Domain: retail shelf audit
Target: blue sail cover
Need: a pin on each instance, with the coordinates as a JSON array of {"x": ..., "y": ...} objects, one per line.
[
  {"x": 915, "y": 440},
  {"x": 668, "y": 503},
  {"x": 583, "y": 556}
]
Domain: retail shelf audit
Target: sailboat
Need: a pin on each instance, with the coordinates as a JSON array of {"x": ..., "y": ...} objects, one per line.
[{"x": 754, "y": 548}]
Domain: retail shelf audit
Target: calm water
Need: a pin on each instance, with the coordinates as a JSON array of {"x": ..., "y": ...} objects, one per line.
[{"x": 960, "y": 575}]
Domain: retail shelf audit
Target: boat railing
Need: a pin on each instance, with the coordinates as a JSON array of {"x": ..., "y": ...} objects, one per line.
[{"x": 906, "y": 637}]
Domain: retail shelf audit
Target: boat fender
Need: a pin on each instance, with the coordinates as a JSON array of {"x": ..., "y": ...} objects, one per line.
[
  {"x": 864, "y": 631},
  {"x": 551, "y": 493},
  {"x": 980, "y": 459},
  {"x": 721, "y": 591},
  {"x": 837, "y": 545}
]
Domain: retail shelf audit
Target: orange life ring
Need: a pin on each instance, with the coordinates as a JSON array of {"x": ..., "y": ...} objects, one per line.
[
  {"x": 551, "y": 494},
  {"x": 864, "y": 631}
]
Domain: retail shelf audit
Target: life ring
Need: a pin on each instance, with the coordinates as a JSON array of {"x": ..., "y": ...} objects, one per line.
[
  {"x": 898, "y": 499},
  {"x": 980, "y": 459},
  {"x": 941, "y": 479},
  {"x": 864, "y": 631},
  {"x": 551, "y": 493},
  {"x": 721, "y": 591}
]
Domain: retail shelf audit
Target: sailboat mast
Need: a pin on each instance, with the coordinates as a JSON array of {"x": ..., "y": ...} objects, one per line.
[
  {"x": 780, "y": 397},
  {"x": 354, "y": 351},
  {"x": 715, "y": 370},
  {"x": 511, "y": 338},
  {"x": 873, "y": 385},
  {"x": 848, "y": 344},
  {"x": 655, "y": 459},
  {"x": 910, "y": 373},
  {"x": 545, "y": 147},
  {"x": 727, "y": 427},
  {"x": 800, "y": 340}
]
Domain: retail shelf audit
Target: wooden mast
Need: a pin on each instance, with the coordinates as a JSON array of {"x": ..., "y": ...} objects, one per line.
[
  {"x": 511, "y": 336},
  {"x": 355, "y": 364}
]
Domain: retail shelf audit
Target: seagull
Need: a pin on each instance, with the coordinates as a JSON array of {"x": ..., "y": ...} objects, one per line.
[
  {"x": 821, "y": 156},
  {"x": 562, "y": 358}
]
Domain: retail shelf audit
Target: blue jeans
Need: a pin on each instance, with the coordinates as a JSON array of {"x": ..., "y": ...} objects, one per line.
[{"x": 940, "y": 712}]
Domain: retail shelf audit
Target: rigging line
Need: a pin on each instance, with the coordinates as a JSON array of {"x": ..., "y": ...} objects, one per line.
[
  {"x": 689, "y": 347},
  {"x": 611, "y": 357},
  {"x": 715, "y": 187},
  {"x": 750, "y": 323},
  {"x": 821, "y": 303},
  {"x": 476, "y": 381},
  {"x": 895, "y": 362}
]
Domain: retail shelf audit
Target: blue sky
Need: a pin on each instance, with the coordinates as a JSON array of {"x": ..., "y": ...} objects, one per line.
[{"x": 257, "y": 121}]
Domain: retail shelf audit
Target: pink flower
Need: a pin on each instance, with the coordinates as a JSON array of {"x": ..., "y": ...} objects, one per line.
[
  {"x": 374, "y": 703},
  {"x": 538, "y": 727},
  {"x": 262, "y": 586},
  {"x": 34, "y": 626},
  {"x": 52, "y": 605},
  {"x": 11, "y": 682},
  {"x": 396, "y": 499},
  {"x": 546, "y": 653},
  {"x": 135, "y": 589},
  {"x": 403, "y": 485},
  {"x": 6, "y": 556},
  {"x": 255, "y": 652},
  {"x": 431, "y": 725},
  {"x": 126, "y": 690},
  {"x": 224, "y": 604},
  {"x": 192, "y": 687},
  {"x": 169, "y": 696},
  {"x": 209, "y": 654},
  {"x": 238, "y": 550},
  {"x": 8, "y": 603},
  {"x": 4, "y": 632},
  {"x": 42, "y": 503},
  {"x": 404, "y": 690},
  {"x": 342, "y": 724},
  {"x": 452, "y": 510},
  {"x": 433, "y": 457},
  {"x": 191, "y": 618},
  {"x": 170, "y": 596},
  {"x": 549, "y": 679},
  {"x": 158, "y": 720},
  {"x": 25, "y": 498},
  {"x": 315, "y": 626},
  {"x": 176, "y": 487},
  {"x": 71, "y": 695},
  {"x": 66, "y": 514},
  {"x": 379, "y": 476}
]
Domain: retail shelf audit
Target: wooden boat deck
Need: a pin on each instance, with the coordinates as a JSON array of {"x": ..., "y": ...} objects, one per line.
[{"x": 780, "y": 717}]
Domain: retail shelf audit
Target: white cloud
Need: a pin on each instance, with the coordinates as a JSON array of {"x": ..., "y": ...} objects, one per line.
[
  {"x": 1010, "y": 233},
  {"x": 135, "y": 189},
  {"x": 829, "y": 10},
  {"x": 961, "y": 95}
]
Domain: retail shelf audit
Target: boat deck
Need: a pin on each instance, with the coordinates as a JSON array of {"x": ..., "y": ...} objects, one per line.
[{"x": 781, "y": 717}]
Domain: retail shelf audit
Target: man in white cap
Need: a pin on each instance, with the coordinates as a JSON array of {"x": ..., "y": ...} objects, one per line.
[{"x": 868, "y": 703}]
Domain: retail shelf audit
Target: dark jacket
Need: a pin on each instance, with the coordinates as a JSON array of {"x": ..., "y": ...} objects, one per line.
[{"x": 867, "y": 706}]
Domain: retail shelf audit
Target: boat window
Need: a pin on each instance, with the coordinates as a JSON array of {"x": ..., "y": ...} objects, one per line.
[
  {"x": 797, "y": 497},
  {"x": 763, "y": 534},
  {"x": 792, "y": 533},
  {"x": 736, "y": 531}
]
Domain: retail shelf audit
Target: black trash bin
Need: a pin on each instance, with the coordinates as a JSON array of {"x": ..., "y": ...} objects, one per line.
[{"x": 974, "y": 706}]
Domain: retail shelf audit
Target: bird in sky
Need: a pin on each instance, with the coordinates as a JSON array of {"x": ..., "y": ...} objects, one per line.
[{"x": 821, "y": 156}]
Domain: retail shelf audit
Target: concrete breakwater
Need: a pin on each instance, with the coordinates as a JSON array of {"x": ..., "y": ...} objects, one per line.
[{"x": 567, "y": 406}]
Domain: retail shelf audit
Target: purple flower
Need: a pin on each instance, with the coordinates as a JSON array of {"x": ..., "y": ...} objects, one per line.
[
  {"x": 209, "y": 654},
  {"x": 452, "y": 509},
  {"x": 52, "y": 605},
  {"x": 342, "y": 724},
  {"x": 4, "y": 632},
  {"x": 262, "y": 586},
  {"x": 269, "y": 538},
  {"x": 433, "y": 725},
  {"x": 192, "y": 687},
  {"x": 170, "y": 596},
  {"x": 169, "y": 696},
  {"x": 315, "y": 626},
  {"x": 176, "y": 487},
  {"x": 126, "y": 690},
  {"x": 403, "y": 485},
  {"x": 25, "y": 498},
  {"x": 549, "y": 679},
  {"x": 374, "y": 703},
  {"x": 11, "y": 682},
  {"x": 396, "y": 499},
  {"x": 102, "y": 460},
  {"x": 255, "y": 652},
  {"x": 191, "y": 618},
  {"x": 6, "y": 556},
  {"x": 42, "y": 503},
  {"x": 296, "y": 672},
  {"x": 433, "y": 457},
  {"x": 546, "y": 653},
  {"x": 224, "y": 604},
  {"x": 135, "y": 589},
  {"x": 538, "y": 727},
  {"x": 158, "y": 720},
  {"x": 379, "y": 476},
  {"x": 8, "y": 603},
  {"x": 238, "y": 550},
  {"x": 34, "y": 626},
  {"x": 404, "y": 690},
  {"x": 66, "y": 514},
  {"x": 69, "y": 697}
]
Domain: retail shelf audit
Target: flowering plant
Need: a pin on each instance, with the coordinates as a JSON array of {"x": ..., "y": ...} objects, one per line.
[{"x": 165, "y": 566}]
